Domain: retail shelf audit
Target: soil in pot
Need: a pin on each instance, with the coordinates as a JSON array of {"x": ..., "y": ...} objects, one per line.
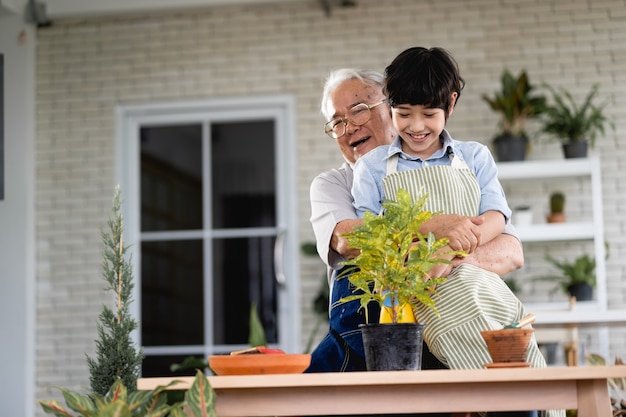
[
  {"x": 393, "y": 347},
  {"x": 582, "y": 291}
]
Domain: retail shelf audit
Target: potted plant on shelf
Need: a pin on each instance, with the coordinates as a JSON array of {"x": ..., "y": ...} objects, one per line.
[
  {"x": 516, "y": 104},
  {"x": 577, "y": 278},
  {"x": 557, "y": 208},
  {"x": 576, "y": 126},
  {"x": 392, "y": 269}
]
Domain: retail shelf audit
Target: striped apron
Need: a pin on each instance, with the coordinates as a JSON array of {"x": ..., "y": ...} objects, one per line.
[{"x": 472, "y": 299}]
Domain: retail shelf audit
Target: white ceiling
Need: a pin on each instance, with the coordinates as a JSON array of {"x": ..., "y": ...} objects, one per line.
[
  {"x": 60, "y": 9},
  {"x": 57, "y": 9}
]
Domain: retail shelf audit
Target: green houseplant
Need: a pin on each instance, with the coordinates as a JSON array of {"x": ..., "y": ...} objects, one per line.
[
  {"x": 392, "y": 269},
  {"x": 575, "y": 125},
  {"x": 115, "y": 369},
  {"x": 557, "y": 208},
  {"x": 516, "y": 103},
  {"x": 577, "y": 278}
]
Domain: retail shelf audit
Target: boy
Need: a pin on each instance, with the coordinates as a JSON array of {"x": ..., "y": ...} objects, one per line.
[{"x": 422, "y": 87}]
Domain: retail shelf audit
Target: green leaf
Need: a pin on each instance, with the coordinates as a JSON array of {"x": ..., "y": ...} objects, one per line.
[
  {"x": 200, "y": 397},
  {"x": 115, "y": 409},
  {"x": 53, "y": 407},
  {"x": 77, "y": 402},
  {"x": 178, "y": 411},
  {"x": 395, "y": 258},
  {"x": 190, "y": 362},
  {"x": 256, "y": 336}
]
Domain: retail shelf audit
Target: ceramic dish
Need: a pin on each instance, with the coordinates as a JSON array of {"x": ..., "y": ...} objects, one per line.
[
  {"x": 507, "y": 365},
  {"x": 259, "y": 364}
]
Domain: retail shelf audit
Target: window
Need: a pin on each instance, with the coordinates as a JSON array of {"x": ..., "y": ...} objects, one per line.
[{"x": 206, "y": 189}]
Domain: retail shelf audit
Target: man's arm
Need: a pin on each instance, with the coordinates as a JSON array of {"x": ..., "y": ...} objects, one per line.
[
  {"x": 339, "y": 244},
  {"x": 331, "y": 206},
  {"x": 501, "y": 255}
]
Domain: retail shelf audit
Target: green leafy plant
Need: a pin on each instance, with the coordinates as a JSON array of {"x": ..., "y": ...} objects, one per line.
[
  {"x": 113, "y": 375},
  {"x": 617, "y": 386},
  {"x": 580, "y": 271},
  {"x": 568, "y": 121},
  {"x": 395, "y": 258},
  {"x": 516, "y": 103},
  {"x": 118, "y": 402},
  {"x": 557, "y": 202},
  {"x": 116, "y": 355}
]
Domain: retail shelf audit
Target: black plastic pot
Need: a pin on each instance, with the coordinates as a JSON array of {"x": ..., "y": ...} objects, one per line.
[
  {"x": 510, "y": 148},
  {"x": 582, "y": 292},
  {"x": 393, "y": 347},
  {"x": 576, "y": 149}
]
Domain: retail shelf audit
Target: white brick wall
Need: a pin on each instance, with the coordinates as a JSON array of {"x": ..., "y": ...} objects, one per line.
[{"x": 85, "y": 68}]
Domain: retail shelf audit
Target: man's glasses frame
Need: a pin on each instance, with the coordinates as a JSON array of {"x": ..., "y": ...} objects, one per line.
[{"x": 358, "y": 115}]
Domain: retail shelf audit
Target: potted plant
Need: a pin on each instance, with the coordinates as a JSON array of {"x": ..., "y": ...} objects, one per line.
[
  {"x": 516, "y": 104},
  {"x": 393, "y": 268},
  {"x": 576, "y": 126},
  {"x": 115, "y": 369},
  {"x": 557, "y": 208},
  {"x": 577, "y": 278}
]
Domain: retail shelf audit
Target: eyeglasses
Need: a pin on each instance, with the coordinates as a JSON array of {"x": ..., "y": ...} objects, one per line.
[{"x": 357, "y": 115}]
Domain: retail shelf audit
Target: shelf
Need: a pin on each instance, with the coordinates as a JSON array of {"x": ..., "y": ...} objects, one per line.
[
  {"x": 545, "y": 169},
  {"x": 555, "y": 232},
  {"x": 554, "y": 315},
  {"x": 582, "y": 318}
]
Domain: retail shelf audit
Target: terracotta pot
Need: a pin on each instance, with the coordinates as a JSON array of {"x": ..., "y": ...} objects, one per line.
[
  {"x": 556, "y": 218},
  {"x": 507, "y": 345}
]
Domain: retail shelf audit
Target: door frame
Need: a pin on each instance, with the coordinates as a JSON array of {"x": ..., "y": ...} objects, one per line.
[{"x": 281, "y": 108}]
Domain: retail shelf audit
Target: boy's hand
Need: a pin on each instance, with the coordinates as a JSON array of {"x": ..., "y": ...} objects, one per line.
[{"x": 462, "y": 232}]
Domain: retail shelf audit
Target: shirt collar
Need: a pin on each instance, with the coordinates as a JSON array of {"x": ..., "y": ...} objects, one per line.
[{"x": 446, "y": 148}]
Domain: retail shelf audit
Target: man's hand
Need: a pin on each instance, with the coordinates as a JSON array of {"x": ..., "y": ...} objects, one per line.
[
  {"x": 339, "y": 244},
  {"x": 462, "y": 232},
  {"x": 501, "y": 255}
]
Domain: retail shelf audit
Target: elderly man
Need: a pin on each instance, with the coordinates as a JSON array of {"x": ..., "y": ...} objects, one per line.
[{"x": 359, "y": 121}]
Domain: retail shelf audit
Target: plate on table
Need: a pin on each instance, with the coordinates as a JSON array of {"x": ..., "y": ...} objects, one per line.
[
  {"x": 507, "y": 365},
  {"x": 259, "y": 364}
]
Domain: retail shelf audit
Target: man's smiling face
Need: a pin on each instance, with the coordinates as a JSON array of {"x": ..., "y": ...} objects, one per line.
[{"x": 379, "y": 130}]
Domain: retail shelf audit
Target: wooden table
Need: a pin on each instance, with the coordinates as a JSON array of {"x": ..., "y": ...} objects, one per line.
[{"x": 583, "y": 388}]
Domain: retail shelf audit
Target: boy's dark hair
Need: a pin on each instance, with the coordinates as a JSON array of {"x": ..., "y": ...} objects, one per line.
[{"x": 423, "y": 76}]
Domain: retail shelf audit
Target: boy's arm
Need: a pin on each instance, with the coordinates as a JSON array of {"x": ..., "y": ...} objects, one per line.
[{"x": 492, "y": 226}]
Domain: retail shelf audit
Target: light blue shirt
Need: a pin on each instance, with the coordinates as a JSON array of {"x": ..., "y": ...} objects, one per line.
[{"x": 371, "y": 168}]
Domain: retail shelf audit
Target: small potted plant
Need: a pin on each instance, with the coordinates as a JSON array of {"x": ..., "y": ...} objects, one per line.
[
  {"x": 393, "y": 268},
  {"x": 557, "y": 208},
  {"x": 576, "y": 126},
  {"x": 577, "y": 278},
  {"x": 516, "y": 103}
]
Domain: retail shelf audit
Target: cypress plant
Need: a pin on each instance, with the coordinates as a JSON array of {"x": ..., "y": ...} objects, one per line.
[{"x": 116, "y": 354}]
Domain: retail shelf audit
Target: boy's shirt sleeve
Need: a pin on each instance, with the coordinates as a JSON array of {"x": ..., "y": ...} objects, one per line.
[{"x": 492, "y": 193}]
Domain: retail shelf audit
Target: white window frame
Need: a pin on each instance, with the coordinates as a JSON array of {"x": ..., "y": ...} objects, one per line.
[{"x": 281, "y": 108}]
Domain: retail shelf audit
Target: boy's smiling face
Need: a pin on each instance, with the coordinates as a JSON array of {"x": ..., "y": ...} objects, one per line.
[{"x": 420, "y": 127}]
